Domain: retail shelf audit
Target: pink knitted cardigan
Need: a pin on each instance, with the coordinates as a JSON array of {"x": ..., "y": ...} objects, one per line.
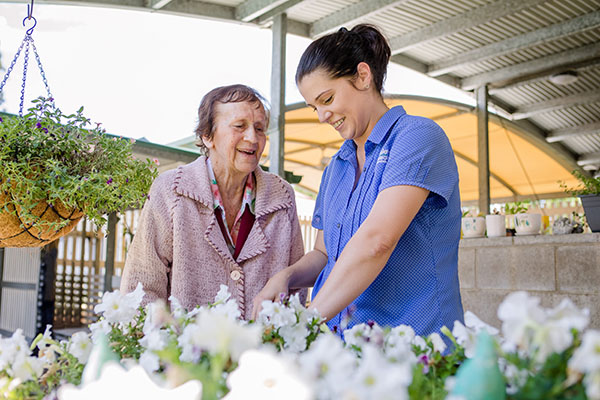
[{"x": 179, "y": 250}]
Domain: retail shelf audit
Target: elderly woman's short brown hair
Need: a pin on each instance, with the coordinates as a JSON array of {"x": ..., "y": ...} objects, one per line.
[{"x": 224, "y": 94}]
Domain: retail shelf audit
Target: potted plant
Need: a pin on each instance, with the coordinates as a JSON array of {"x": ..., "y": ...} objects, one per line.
[
  {"x": 525, "y": 223},
  {"x": 472, "y": 227},
  {"x": 495, "y": 224},
  {"x": 56, "y": 169},
  {"x": 589, "y": 193}
]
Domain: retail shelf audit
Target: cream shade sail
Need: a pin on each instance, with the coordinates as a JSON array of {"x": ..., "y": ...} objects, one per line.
[{"x": 522, "y": 164}]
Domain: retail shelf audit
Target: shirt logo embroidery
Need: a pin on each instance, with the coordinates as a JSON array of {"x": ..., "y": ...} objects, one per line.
[{"x": 383, "y": 156}]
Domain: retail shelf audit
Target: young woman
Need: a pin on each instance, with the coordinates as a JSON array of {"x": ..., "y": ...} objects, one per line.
[{"x": 388, "y": 209}]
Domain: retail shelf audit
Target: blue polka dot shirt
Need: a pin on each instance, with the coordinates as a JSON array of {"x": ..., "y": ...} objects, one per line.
[{"x": 419, "y": 284}]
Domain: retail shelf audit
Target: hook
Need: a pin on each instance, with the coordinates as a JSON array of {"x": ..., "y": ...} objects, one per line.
[
  {"x": 29, "y": 17},
  {"x": 30, "y": 30}
]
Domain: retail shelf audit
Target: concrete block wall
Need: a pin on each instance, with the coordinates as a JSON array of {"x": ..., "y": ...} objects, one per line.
[{"x": 550, "y": 267}]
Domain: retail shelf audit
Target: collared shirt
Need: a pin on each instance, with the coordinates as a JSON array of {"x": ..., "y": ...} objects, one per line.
[
  {"x": 419, "y": 284},
  {"x": 248, "y": 200}
]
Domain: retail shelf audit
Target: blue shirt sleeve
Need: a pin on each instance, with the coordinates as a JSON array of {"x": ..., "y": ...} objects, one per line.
[{"x": 420, "y": 155}]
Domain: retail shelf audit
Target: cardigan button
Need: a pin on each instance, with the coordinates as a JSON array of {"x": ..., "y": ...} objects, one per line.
[{"x": 235, "y": 275}]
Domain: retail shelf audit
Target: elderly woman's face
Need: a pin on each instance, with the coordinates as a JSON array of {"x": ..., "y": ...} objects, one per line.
[{"x": 239, "y": 137}]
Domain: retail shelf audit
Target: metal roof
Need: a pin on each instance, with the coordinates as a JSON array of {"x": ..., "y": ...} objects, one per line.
[{"x": 512, "y": 46}]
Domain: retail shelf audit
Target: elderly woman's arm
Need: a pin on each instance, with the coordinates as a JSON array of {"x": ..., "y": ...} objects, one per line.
[
  {"x": 151, "y": 251},
  {"x": 369, "y": 249}
]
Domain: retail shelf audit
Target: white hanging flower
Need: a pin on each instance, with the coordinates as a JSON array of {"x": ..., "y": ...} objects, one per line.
[
  {"x": 276, "y": 314},
  {"x": 264, "y": 375},
  {"x": 466, "y": 335},
  {"x": 80, "y": 346},
  {"x": 222, "y": 295},
  {"x": 176, "y": 308},
  {"x": 521, "y": 315},
  {"x": 119, "y": 308},
  {"x": 12, "y": 348},
  {"x": 364, "y": 333},
  {"x": 157, "y": 315},
  {"x": 155, "y": 340}
]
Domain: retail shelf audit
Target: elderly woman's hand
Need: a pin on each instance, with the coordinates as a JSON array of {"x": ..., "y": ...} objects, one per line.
[{"x": 278, "y": 284}]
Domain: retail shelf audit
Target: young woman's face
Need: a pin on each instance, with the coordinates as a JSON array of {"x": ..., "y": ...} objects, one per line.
[
  {"x": 337, "y": 102},
  {"x": 239, "y": 137}
]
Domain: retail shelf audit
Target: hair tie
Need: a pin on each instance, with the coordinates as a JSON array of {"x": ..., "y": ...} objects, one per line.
[{"x": 343, "y": 30}]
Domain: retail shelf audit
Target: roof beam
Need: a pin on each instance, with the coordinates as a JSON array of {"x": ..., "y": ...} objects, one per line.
[
  {"x": 529, "y": 80},
  {"x": 539, "y": 36},
  {"x": 351, "y": 14},
  {"x": 587, "y": 159},
  {"x": 556, "y": 104},
  {"x": 252, "y": 9},
  {"x": 478, "y": 16},
  {"x": 581, "y": 130},
  {"x": 418, "y": 66},
  {"x": 277, "y": 10},
  {"x": 158, "y": 4},
  {"x": 546, "y": 65}
]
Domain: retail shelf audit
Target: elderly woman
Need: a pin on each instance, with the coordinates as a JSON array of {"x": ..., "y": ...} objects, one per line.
[{"x": 220, "y": 219}]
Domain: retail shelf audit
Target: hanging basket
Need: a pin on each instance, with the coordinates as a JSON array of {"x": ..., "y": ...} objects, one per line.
[{"x": 14, "y": 233}]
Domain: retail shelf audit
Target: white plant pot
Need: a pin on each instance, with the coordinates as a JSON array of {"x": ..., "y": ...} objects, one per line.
[
  {"x": 496, "y": 225},
  {"x": 528, "y": 224},
  {"x": 473, "y": 227}
]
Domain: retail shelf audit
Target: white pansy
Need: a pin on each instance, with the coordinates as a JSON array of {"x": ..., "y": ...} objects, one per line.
[
  {"x": 592, "y": 385},
  {"x": 117, "y": 383},
  {"x": 265, "y": 375},
  {"x": 80, "y": 346},
  {"x": 149, "y": 361},
  {"x": 357, "y": 335},
  {"x": 155, "y": 340},
  {"x": 376, "y": 378},
  {"x": 98, "y": 329},
  {"x": 119, "y": 308},
  {"x": 294, "y": 337},
  {"x": 329, "y": 364},
  {"x": 276, "y": 314},
  {"x": 586, "y": 358},
  {"x": 222, "y": 295},
  {"x": 438, "y": 343},
  {"x": 217, "y": 333},
  {"x": 420, "y": 343},
  {"x": 26, "y": 367}
]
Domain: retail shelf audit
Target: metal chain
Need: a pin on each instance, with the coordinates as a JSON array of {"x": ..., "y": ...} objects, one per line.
[
  {"x": 25, "y": 63},
  {"x": 12, "y": 64},
  {"x": 39, "y": 63}
]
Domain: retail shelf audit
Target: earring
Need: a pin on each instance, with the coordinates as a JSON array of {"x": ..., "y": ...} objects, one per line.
[{"x": 367, "y": 87}]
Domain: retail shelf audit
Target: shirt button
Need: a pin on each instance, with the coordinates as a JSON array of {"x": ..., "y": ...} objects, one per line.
[
  {"x": 338, "y": 225},
  {"x": 235, "y": 275}
]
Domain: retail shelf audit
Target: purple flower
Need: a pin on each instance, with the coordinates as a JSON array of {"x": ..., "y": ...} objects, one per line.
[
  {"x": 51, "y": 98},
  {"x": 1, "y": 120},
  {"x": 109, "y": 181},
  {"x": 370, "y": 323},
  {"x": 45, "y": 130},
  {"x": 127, "y": 180},
  {"x": 38, "y": 125}
]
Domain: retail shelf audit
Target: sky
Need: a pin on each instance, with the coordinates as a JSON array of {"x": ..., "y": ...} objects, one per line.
[{"x": 143, "y": 74}]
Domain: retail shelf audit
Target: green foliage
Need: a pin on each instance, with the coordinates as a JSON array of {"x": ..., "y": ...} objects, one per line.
[
  {"x": 551, "y": 380},
  {"x": 50, "y": 157},
  {"x": 517, "y": 207},
  {"x": 433, "y": 368},
  {"x": 587, "y": 185}
]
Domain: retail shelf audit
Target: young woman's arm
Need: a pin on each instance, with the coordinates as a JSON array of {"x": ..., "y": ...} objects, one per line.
[
  {"x": 301, "y": 274},
  {"x": 367, "y": 252}
]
